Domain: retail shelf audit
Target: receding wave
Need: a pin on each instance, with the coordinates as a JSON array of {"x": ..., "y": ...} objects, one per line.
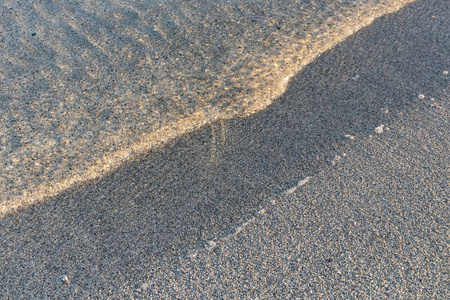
[{"x": 86, "y": 85}]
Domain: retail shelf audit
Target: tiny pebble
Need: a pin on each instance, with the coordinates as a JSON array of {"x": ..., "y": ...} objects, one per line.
[
  {"x": 379, "y": 129},
  {"x": 350, "y": 136},
  {"x": 445, "y": 72},
  {"x": 65, "y": 279},
  {"x": 422, "y": 96},
  {"x": 212, "y": 244}
]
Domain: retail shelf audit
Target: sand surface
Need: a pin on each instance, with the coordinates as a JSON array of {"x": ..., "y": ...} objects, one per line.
[
  {"x": 339, "y": 189},
  {"x": 86, "y": 85}
]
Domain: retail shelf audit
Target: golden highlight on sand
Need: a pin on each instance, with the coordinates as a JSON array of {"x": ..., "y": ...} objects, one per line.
[{"x": 86, "y": 86}]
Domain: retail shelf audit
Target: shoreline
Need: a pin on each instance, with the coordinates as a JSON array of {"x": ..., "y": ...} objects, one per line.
[{"x": 44, "y": 186}]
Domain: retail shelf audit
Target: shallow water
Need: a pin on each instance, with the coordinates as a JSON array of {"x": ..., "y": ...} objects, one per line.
[{"x": 86, "y": 85}]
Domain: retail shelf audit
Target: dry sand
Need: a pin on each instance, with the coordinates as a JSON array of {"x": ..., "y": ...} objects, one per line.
[{"x": 301, "y": 200}]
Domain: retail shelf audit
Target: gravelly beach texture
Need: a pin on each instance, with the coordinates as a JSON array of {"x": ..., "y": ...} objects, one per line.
[
  {"x": 339, "y": 189},
  {"x": 85, "y": 85}
]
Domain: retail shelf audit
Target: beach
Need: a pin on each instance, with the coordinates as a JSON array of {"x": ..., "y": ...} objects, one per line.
[{"x": 337, "y": 188}]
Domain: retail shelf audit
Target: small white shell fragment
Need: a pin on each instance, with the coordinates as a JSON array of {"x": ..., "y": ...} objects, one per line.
[
  {"x": 379, "y": 129},
  {"x": 421, "y": 96},
  {"x": 445, "y": 72}
]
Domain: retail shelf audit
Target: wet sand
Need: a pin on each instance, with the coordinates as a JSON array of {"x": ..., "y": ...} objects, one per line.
[
  {"x": 86, "y": 85},
  {"x": 308, "y": 198}
]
